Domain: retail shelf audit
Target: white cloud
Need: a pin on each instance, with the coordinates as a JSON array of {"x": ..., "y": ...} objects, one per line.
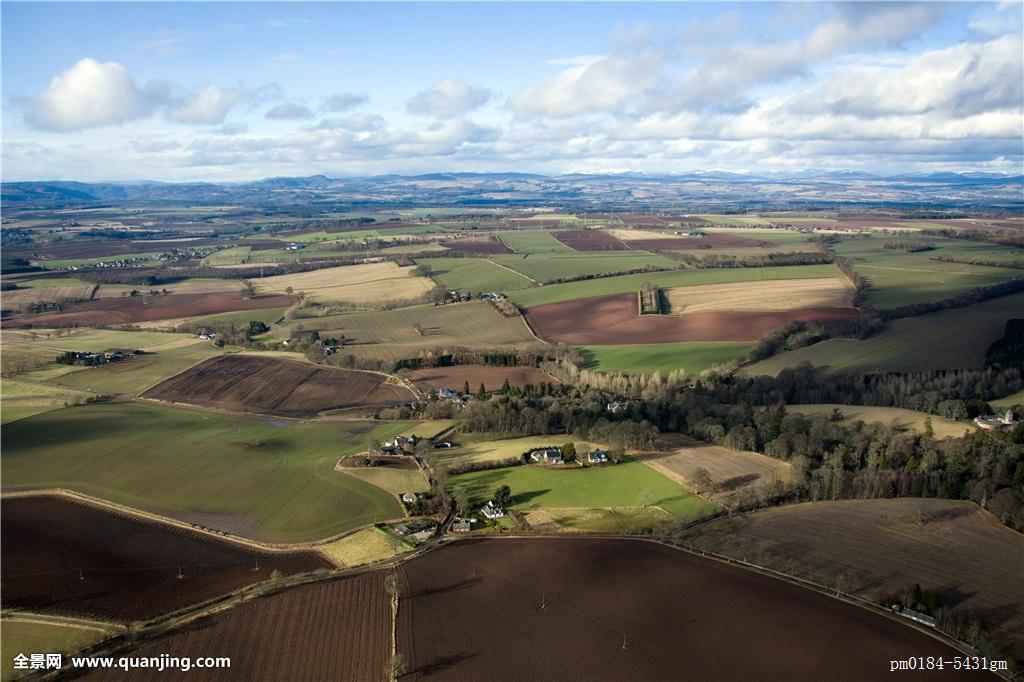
[
  {"x": 91, "y": 94},
  {"x": 343, "y": 101},
  {"x": 449, "y": 98},
  {"x": 208, "y": 106},
  {"x": 289, "y": 111}
]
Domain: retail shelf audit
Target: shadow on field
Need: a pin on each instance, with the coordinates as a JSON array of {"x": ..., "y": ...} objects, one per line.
[
  {"x": 523, "y": 498},
  {"x": 463, "y": 584},
  {"x": 442, "y": 664},
  {"x": 730, "y": 484}
]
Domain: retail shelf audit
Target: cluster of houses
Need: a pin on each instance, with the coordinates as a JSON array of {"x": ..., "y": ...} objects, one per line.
[
  {"x": 996, "y": 422},
  {"x": 102, "y": 358},
  {"x": 451, "y": 395},
  {"x": 208, "y": 336},
  {"x": 406, "y": 445},
  {"x": 555, "y": 456}
]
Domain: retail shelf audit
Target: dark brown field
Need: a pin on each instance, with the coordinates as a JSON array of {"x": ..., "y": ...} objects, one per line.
[
  {"x": 711, "y": 241},
  {"x": 589, "y": 240},
  {"x": 247, "y": 383},
  {"x": 336, "y": 630},
  {"x": 485, "y": 245},
  {"x": 575, "y": 609},
  {"x": 609, "y": 320},
  {"x": 131, "y": 309},
  {"x": 491, "y": 377},
  {"x": 98, "y": 248},
  {"x": 952, "y": 547},
  {"x": 67, "y": 557}
]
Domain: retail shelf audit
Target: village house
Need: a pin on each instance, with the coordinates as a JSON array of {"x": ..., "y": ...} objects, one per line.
[
  {"x": 996, "y": 422},
  {"x": 547, "y": 456},
  {"x": 461, "y": 526},
  {"x": 617, "y": 407},
  {"x": 492, "y": 511},
  {"x": 410, "y": 498},
  {"x": 597, "y": 456}
]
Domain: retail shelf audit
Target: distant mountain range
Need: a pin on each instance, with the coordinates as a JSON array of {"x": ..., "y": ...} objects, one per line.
[{"x": 581, "y": 191}]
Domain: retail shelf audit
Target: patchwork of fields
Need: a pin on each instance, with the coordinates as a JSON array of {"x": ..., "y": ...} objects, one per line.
[{"x": 366, "y": 284}]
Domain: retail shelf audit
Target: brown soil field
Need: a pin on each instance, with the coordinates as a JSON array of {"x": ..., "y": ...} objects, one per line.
[
  {"x": 96, "y": 248},
  {"x": 589, "y": 240},
  {"x": 781, "y": 294},
  {"x": 563, "y": 609},
  {"x": 730, "y": 470},
  {"x": 883, "y": 546},
  {"x": 130, "y": 566},
  {"x": 247, "y": 383},
  {"x": 334, "y": 630},
  {"x": 614, "y": 319},
  {"x": 130, "y": 309},
  {"x": 491, "y": 377},
  {"x": 486, "y": 245},
  {"x": 711, "y": 241}
]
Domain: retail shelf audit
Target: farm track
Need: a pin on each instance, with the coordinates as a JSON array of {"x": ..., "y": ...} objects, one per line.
[{"x": 515, "y": 272}]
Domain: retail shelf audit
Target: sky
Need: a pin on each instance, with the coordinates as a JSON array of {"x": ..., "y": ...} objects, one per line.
[{"x": 240, "y": 91}]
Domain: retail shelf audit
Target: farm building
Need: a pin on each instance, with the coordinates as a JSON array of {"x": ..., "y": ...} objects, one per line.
[
  {"x": 461, "y": 526},
  {"x": 492, "y": 511},
  {"x": 597, "y": 456},
  {"x": 410, "y": 498},
  {"x": 547, "y": 456},
  {"x": 996, "y": 422}
]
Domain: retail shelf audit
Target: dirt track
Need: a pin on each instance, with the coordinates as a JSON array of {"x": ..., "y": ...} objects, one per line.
[
  {"x": 130, "y": 309},
  {"x": 130, "y": 567},
  {"x": 248, "y": 383},
  {"x": 610, "y": 320},
  {"x": 549, "y": 609}
]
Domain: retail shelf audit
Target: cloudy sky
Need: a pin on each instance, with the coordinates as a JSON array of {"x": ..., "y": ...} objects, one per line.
[{"x": 235, "y": 91}]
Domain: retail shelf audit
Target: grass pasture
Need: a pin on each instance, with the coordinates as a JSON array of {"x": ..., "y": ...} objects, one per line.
[
  {"x": 363, "y": 284},
  {"x": 24, "y": 636},
  {"x": 554, "y": 266},
  {"x": 947, "y": 340},
  {"x": 474, "y": 452},
  {"x": 392, "y": 334},
  {"x": 474, "y": 275},
  {"x": 20, "y": 399},
  {"x": 533, "y": 241},
  {"x": 628, "y": 485},
  {"x": 252, "y": 477},
  {"x": 555, "y": 293},
  {"x": 690, "y": 357},
  {"x": 364, "y": 547},
  {"x": 904, "y": 420},
  {"x": 395, "y": 481},
  {"x": 1008, "y": 401}
]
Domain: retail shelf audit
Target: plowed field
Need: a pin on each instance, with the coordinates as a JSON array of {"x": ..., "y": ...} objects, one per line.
[
  {"x": 68, "y": 557},
  {"x": 609, "y": 320},
  {"x": 249, "y": 383},
  {"x": 632, "y": 610},
  {"x": 590, "y": 240}
]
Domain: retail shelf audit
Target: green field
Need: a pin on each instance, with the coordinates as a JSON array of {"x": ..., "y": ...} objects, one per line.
[
  {"x": 901, "y": 278},
  {"x": 625, "y": 485},
  {"x": 692, "y": 358},
  {"x": 472, "y": 450},
  {"x": 267, "y": 316},
  {"x": 1008, "y": 401},
  {"x": 20, "y": 399},
  {"x": 553, "y": 266},
  {"x": 277, "y": 479},
  {"x": 26, "y": 637},
  {"x": 475, "y": 275},
  {"x": 404, "y": 332},
  {"x": 231, "y": 256},
  {"x": 554, "y": 293},
  {"x": 395, "y": 481},
  {"x": 947, "y": 340},
  {"x": 533, "y": 241},
  {"x": 132, "y": 377}
]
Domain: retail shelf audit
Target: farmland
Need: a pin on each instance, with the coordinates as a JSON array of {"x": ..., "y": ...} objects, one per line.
[
  {"x": 392, "y": 334},
  {"x": 15, "y": 300},
  {"x": 19, "y": 399},
  {"x": 644, "y": 358},
  {"x": 628, "y": 485},
  {"x": 905, "y": 420},
  {"x": 615, "y": 320},
  {"x": 395, "y": 481},
  {"x": 605, "y": 286},
  {"x": 900, "y": 278},
  {"x": 476, "y": 451},
  {"x": 333, "y": 630},
  {"x": 954, "y": 338},
  {"x": 27, "y": 636},
  {"x": 532, "y": 241},
  {"x": 364, "y": 547},
  {"x": 67, "y": 557},
  {"x": 271, "y": 386},
  {"x": 730, "y": 470},
  {"x": 255, "y": 478},
  {"x": 131, "y": 377},
  {"x": 364, "y": 284},
  {"x": 627, "y": 597},
  {"x": 883, "y": 546},
  {"x": 492, "y": 377},
  {"x": 553, "y": 267},
  {"x": 473, "y": 275},
  {"x": 783, "y": 294},
  {"x": 589, "y": 240},
  {"x": 482, "y": 245}
]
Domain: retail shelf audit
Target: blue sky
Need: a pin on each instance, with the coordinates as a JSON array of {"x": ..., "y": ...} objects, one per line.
[{"x": 234, "y": 91}]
